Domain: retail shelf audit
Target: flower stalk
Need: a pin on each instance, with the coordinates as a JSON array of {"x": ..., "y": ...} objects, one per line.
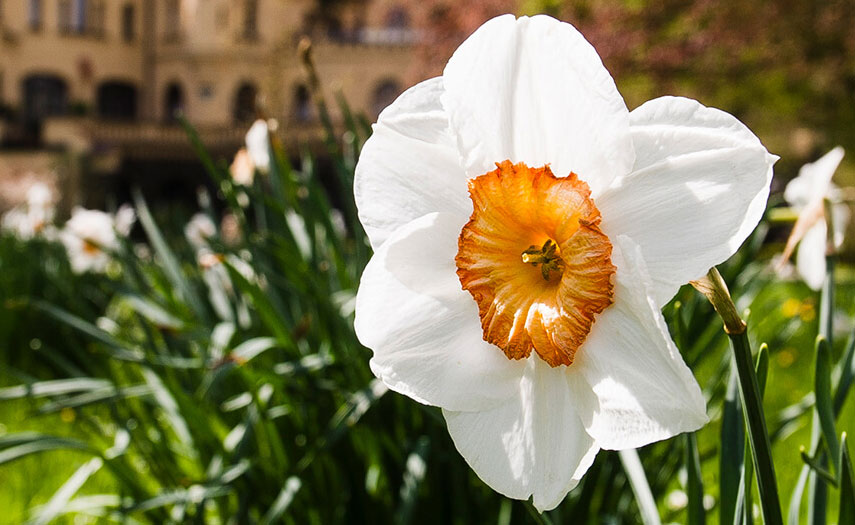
[{"x": 713, "y": 287}]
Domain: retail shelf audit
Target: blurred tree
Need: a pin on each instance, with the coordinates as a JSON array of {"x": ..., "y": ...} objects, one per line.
[{"x": 779, "y": 64}]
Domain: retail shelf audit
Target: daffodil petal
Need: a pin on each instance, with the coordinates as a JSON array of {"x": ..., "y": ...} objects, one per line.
[
  {"x": 423, "y": 327},
  {"x": 629, "y": 380},
  {"x": 810, "y": 259},
  {"x": 698, "y": 189},
  {"x": 410, "y": 166},
  {"x": 814, "y": 179},
  {"x": 533, "y": 444},
  {"x": 533, "y": 90}
]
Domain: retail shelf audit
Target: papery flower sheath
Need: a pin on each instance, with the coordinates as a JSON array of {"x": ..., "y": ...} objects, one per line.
[
  {"x": 807, "y": 193},
  {"x": 527, "y": 228}
]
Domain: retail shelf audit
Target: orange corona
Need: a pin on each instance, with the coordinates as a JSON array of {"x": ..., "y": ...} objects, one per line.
[{"x": 535, "y": 260}]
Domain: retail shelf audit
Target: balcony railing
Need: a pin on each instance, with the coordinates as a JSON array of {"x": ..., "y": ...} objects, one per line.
[{"x": 160, "y": 141}]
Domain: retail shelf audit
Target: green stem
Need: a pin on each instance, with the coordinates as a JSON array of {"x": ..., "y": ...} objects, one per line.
[
  {"x": 755, "y": 422},
  {"x": 715, "y": 290},
  {"x": 817, "y": 489},
  {"x": 694, "y": 485}
]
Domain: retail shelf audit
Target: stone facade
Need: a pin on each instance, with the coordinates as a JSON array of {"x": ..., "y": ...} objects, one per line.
[
  {"x": 141, "y": 60},
  {"x": 97, "y": 76}
]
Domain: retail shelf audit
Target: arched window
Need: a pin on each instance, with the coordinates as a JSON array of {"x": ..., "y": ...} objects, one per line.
[
  {"x": 173, "y": 102},
  {"x": 244, "y": 105},
  {"x": 303, "y": 110},
  {"x": 398, "y": 18},
  {"x": 129, "y": 24},
  {"x": 384, "y": 94},
  {"x": 117, "y": 100},
  {"x": 250, "y": 19},
  {"x": 173, "y": 20},
  {"x": 34, "y": 15},
  {"x": 44, "y": 96}
]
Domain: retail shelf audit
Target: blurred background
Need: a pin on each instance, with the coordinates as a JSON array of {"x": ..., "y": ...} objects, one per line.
[
  {"x": 90, "y": 89},
  {"x": 207, "y": 371}
]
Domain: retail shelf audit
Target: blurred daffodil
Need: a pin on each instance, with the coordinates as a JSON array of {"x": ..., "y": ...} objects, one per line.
[
  {"x": 258, "y": 145},
  {"x": 527, "y": 229},
  {"x": 807, "y": 194},
  {"x": 90, "y": 235},
  {"x": 34, "y": 217},
  {"x": 242, "y": 169},
  {"x": 199, "y": 230},
  {"x": 255, "y": 156}
]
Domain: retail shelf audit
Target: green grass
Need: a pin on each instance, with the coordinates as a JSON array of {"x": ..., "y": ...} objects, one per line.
[{"x": 217, "y": 395}]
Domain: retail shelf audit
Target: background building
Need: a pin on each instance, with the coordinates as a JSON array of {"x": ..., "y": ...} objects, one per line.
[{"x": 107, "y": 78}]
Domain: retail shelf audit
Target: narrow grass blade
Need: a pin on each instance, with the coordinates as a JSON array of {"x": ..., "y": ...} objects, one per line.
[
  {"x": 170, "y": 408},
  {"x": 824, "y": 406},
  {"x": 416, "y": 468},
  {"x": 80, "y": 324},
  {"x": 269, "y": 313},
  {"x": 56, "y": 505},
  {"x": 252, "y": 348},
  {"x": 640, "y": 487},
  {"x": 39, "y": 443},
  {"x": 846, "y": 368},
  {"x": 96, "y": 396},
  {"x": 732, "y": 450},
  {"x": 847, "y": 485},
  {"x": 694, "y": 485},
  {"x": 818, "y": 468},
  {"x": 817, "y": 489},
  {"x": 796, "y": 499},
  {"x": 755, "y": 422},
  {"x": 745, "y": 503},
  {"x": 54, "y": 388},
  {"x": 151, "y": 311},
  {"x": 167, "y": 257},
  {"x": 283, "y": 501}
]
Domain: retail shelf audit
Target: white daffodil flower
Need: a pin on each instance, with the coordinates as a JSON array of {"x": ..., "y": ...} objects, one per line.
[
  {"x": 806, "y": 193},
  {"x": 90, "y": 235},
  {"x": 199, "y": 230},
  {"x": 35, "y": 217},
  {"x": 527, "y": 229},
  {"x": 124, "y": 219},
  {"x": 258, "y": 145},
  {"x": 242, "y": 169}
]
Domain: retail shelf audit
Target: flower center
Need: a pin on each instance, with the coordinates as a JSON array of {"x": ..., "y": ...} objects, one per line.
[
  {"x": 535, "y": 260},
  {"x": 546, "y": 256},
  {"x": 90, "y": 248}
]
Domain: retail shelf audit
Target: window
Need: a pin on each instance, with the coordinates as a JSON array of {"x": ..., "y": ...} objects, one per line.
[
  {"x": 384, "y": 94},
  {"x": 397, "y": 18},
  {"x": 303, "y": 105},
  {"x": 44, "y": 96},
  {"x": 94, "y": 18},
  {"x": 129, "y": 30},
  {"x": 117, "y": 101},
  {"x": 66, "y": 17},
  {"x": 80, "y": 16},
  {"x": 250, "y": 20},
  {"x": 173, "y": 20},
  {"x": 35, "y": 14},
  {"x": 173, "y": 102},
  {"x": 244, "y": 105}
]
